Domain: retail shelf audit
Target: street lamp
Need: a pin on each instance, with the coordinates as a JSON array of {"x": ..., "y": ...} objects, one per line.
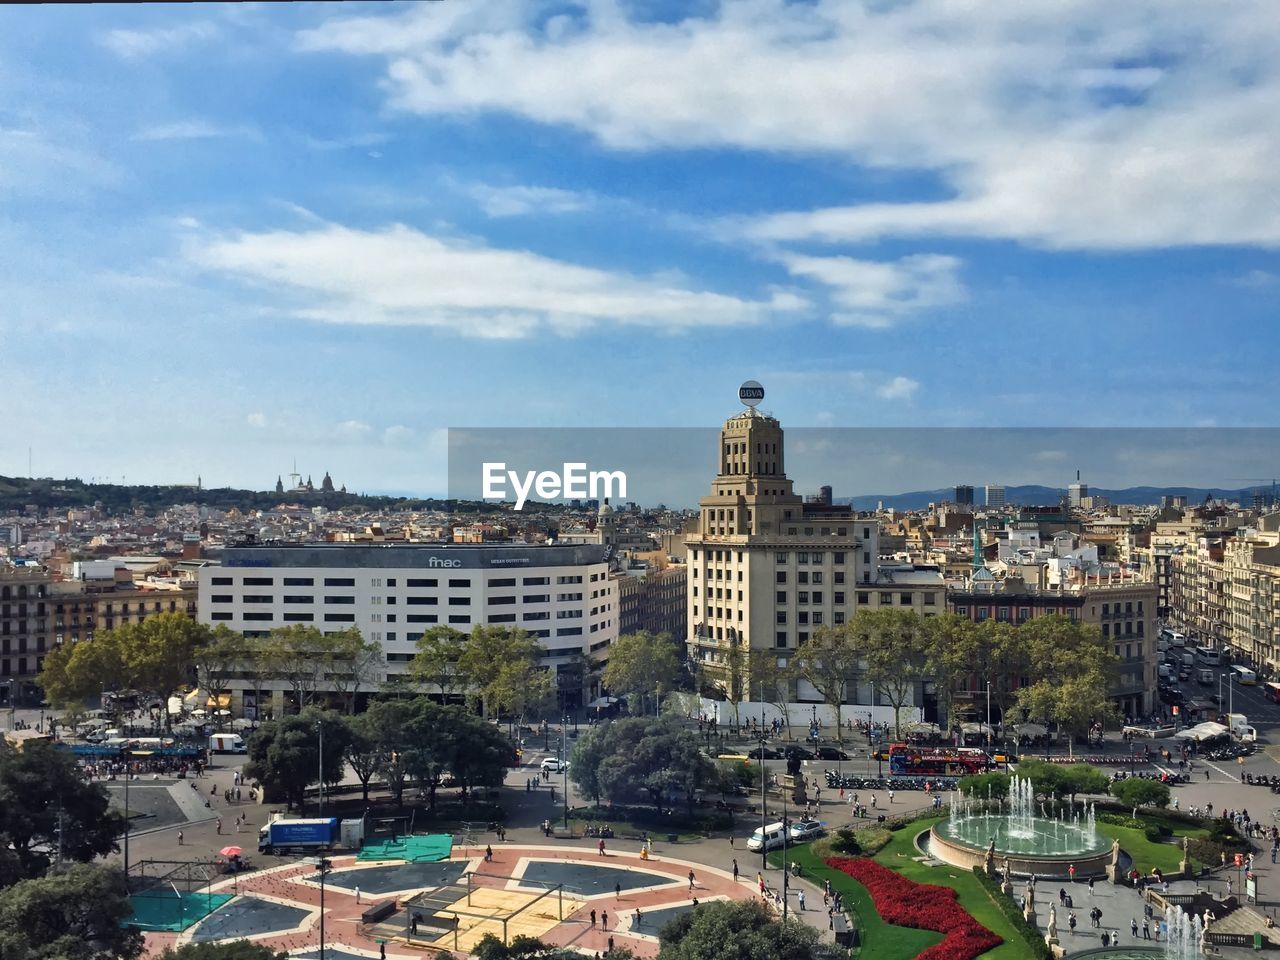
[
  {"x": 564, "y": 766},
  {"x": 988, "y": 716},
  {"x": 128, "y": 775},
  {"x": 320, "y": 729},
  {"x": 764, "y": 829},
  {"x": 323, "y": 866}
]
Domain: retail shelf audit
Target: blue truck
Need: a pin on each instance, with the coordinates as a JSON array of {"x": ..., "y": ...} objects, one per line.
[{"x": 317, "y": 833}]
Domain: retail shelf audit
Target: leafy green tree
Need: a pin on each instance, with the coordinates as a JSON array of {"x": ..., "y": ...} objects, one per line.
[
  {"x": 771, "y": 682},
  {"x": 362, "y": 751},
  {"x": 638, "y": 759},
  {"x": 829, "y": 660},
  {"x": 353, "y": 663},
  {"x": 1074, "y": 669},
  {"x": 981, "y": 786},
  {"x": 284, "y": 755},
  {"x": 153, "y": 657},
  {"x": 299, "y": 655},
  {"x": 1059, "y": 781},
  {"x": 741, "y": 930},
  {"x": 896, "y": 653},
  {"x": 217, "y": 660},
  {"x": 524, "y": 947},
  {"x": 436, "y": 662},
  {"x": 222, "y": 950},
  {"x": 504, "y": 670},
  {"x": 953, "y": 659},
  {"x": 640, "y": 665},
  {"x": 74, "y": 914},
  {"x": 1141, "y": 793},
  {"x": 41, "y": 786},
  {"x": 385, "y": 723}
]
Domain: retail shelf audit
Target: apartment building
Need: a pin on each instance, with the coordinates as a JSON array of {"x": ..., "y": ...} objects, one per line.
[
  {"x": 654, "y": 600},
  {"x": 1198, "y": 589},
  {"x": 1121, "y": 605},
  {"x": 766, "y": 568},
  {"x": 24, "y": 631},
  {"x": 393, "y": 593},
  {"x": 1251, "y": 571}
]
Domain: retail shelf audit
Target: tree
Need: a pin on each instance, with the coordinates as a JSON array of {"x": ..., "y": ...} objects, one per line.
[
  {"x": 74, "y": 914},
  {"x": 1074, "y": 671},
  {"x": 740, "y": 930},
  {"x": 953, "y": 659},
  {"x": 896, "y": 649},
  {"x": 223, "y": 950},
  {"x": 523, "y": 947},
  {"x": 217, "y": 660},
  {"x": 828, "y": 660},
  {"x": 1058, "y": 781},
  {"x": 641, "y": 758},
  {"x": 300, "y": 656},
  {"x": 436, "y": 662},
  {"x": 353, "y": 662},
  {"x": 1137, "y": 793},
  {"x": 385, "y": 723},
  {"x": 362, "y": 751},
  {"x": 640, "y": 664},
  {"x": 284, "y": 754},
  {"x": 153, "y": 657},
  {"x": 42, "y": 791},
  {"x": 772, "y": 683},
  {"x": 504, "y": 670}
]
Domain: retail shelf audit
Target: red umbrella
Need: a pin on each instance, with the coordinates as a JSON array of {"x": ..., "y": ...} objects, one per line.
[{"x": 230, "y": 852}]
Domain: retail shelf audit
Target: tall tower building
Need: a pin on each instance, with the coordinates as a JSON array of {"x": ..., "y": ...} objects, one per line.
[
  {"x": 964, "y": 494},
  {"x": 765, "y": 567},
  {"x": 995, "y": 495}
]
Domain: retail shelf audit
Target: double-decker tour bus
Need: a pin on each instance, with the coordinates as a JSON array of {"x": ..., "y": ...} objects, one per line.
[
  {"x": 906, "y": 760},
  {"x": 1272, "y": 691}
]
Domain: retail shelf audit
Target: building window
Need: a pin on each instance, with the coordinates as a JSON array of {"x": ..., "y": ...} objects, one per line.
[
  {"x": 459, "y": 601},
  {"x": 780, "y": 596},
  {"x": 838, "y": 617},
  {"x": 298, "y": 617},
  {"x": 422, "y": 601},
  {"x": 802, "y": 596},
  {"x": 459, "y": 583},
  {"x": 222, "y": 581},
  {"x": 256, "y": 616},
  {"x": 780, "y": 618},
  {"x": 780, "y": 577},
  {"x": 422, "y": 583},
  {"x": 338, "y": 618},
  {"x": 340, "y": 600},
  {"x": 780, "y": 638},
  {"x": 459, "y": 618},
  {"x": 780, "y": 556},
  {"x": 337, "y": 581},
  {"x": 930, "y": 599},
  {"x": 299, "y": 581}
]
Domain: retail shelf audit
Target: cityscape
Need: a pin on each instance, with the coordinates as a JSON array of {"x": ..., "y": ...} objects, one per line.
[{"x": 530, "y": 481}]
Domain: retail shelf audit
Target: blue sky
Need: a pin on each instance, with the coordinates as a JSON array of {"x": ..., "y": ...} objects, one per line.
[{"x": 232, "y": 236}]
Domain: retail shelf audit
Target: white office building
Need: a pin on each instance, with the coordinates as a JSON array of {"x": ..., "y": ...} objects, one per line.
[
  {"x": 395, "y": 592},
  {"x": 995, "y": 495}
]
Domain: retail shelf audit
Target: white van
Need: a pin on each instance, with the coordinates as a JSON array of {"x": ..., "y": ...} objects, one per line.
[
  {"x": 227, "y": 743},
  {"x": 771, "y": 837}
]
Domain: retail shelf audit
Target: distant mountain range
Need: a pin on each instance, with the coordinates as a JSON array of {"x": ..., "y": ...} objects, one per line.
[{"x": 1033, "y": 495}]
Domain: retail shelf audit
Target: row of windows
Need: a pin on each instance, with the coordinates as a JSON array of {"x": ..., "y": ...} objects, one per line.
[{"x": 420, "y": 582}]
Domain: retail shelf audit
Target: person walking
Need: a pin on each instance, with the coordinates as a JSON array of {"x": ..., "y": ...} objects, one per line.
[
  {"x": 690, "y": 879},
  {"x": 617, "y": 891},
  {"x": 600, "y": 847},
  {"x": 1146, "y": 930},
  {"x": 800, "y": 898},
  {"x": 1133, "y": 928},
  {"x": 1071, "y": 922},
  {"x": 735, "y": 870},
  {"x": 604, "y": 919},
  {"x": 219, "y": 825},
  {"x": 593, "y": 919},
  {"x": 357, "y": 896},
  {"x": 179, "y": 838}
]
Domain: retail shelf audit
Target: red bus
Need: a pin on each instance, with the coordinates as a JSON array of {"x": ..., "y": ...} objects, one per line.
[
  {"x": 907, "y": 760},
  {"x": 1271, "y": 691}
]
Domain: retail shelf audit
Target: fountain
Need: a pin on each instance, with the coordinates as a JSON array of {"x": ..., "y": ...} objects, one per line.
[{"x": 1033, "y": 836}]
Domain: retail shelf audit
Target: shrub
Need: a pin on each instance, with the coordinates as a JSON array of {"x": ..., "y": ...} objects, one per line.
[
  {"x": 905, "y": 903},
  {"x": 1141, "y": 793},
  {"x": 1039, "y": 950}
]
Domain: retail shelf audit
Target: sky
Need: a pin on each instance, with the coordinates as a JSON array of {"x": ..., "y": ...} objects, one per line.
[{"x": 232, "y": 237}]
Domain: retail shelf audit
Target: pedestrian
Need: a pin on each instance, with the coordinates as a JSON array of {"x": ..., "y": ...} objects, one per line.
[
  {"x": 488, "y": 853},
  {"x": 1091, "y": 886},
  {"x": 593, "y": 919},
  {"x": 600, "y": 848},
  {"x": 1062, "y": 896},
  {"x": 413, "y": 926},
  {"x": 690, "y": 879},
  {"x": 1071, "y": 922},
  {"x": 1133, "y": 928},
  {"x": 639, "y": 917},
  {"x": 731, "y": 841},
  {"x": 617, "y": 891},
  {"x": 219, "y": 825},
  {"x": 1146, "y": 930},
  {"x": 382, "y": 950},
  {"x": 800, "y": 898},
  {"x": 760, "y": 882},
  {"x": 735, "y": 867},
  {"x": 604, "y": 919},
  {"x": 357, "y": 896},
  {"x": 891, "y": 796},
  {"x": 1106, "y": 938},
  {"x": 179, "y": 838}
]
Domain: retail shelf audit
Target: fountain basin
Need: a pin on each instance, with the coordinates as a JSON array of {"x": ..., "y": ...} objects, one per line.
[{"x": 1047, "y": 852}]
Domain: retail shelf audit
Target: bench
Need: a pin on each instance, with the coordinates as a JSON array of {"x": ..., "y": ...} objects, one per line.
[
  {"x": 845, "y": 932},
  {"x": 379, "y": 911},
  {"x": 562, "y": 833}
]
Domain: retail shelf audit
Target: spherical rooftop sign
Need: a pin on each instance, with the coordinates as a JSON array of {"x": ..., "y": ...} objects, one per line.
[{"x": 751, "y": 393}]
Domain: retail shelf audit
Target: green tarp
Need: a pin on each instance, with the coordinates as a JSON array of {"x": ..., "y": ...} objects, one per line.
[
  {"x": 428, "y": 849},
  {"x": 162, "y": 909}
]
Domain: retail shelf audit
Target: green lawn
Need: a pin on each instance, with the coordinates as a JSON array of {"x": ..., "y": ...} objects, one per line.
[
  {"x": 879, "y": 940},
  {"x": 1147, "y": 855},
  {"x": 898, "y": 856}
]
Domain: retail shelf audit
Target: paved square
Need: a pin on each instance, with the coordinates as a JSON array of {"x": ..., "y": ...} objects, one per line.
[{"x": 588, "y": 879}]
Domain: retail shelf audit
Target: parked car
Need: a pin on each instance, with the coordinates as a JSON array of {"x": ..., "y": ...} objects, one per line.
[
  {"x": 831, "y": 753},
  {"x": 555, "y": 765},
  {"x": 800, "y": 752},
  {"x": 764, "y": 753},
  {"x": 806, "y": 830}
]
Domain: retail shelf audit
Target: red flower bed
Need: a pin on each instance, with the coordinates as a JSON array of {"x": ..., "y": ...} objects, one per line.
[{"x": 906, "y": 903}]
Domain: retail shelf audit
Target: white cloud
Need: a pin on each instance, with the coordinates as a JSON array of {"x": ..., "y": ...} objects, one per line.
[
  {"x": 1256, "y": 279},
  {"x": 257, "y": 420},
  {"x": 874, "y": 294},
  {"x": 1072, "y": 124},
  {"x": 194, "y": 129},
  {"x": 899, "y": 388},
  {"x": 137, "y": 44},
  {"x": 353, "y": 429},
  {"x": 36, "y": 163},
  {"x": 517, "y": 201},
  {"x": 401, "y": 276}
]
